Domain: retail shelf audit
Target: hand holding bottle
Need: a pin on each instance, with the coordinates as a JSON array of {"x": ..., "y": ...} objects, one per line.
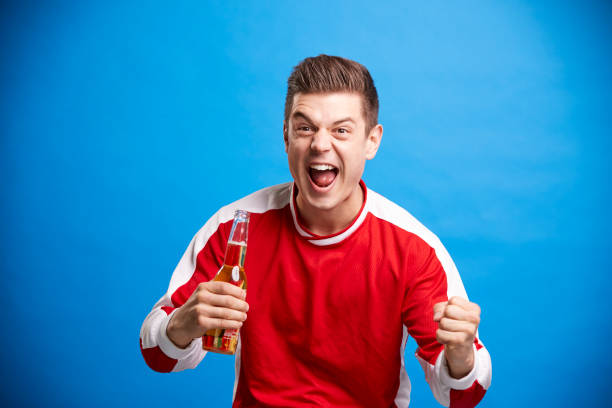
[{"x": 212, "y": 305}]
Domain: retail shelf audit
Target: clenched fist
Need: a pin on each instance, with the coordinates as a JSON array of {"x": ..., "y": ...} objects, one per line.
[
  {"x": 212, "y": 305},
  {"x": 458, "y": 321}
]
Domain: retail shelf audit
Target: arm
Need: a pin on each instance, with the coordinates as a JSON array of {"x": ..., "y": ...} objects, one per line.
[
  {"x": 458, "y": 321},
  {"x": 435, "y": 280}
]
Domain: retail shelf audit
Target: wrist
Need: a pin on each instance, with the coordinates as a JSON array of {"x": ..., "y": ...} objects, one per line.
[
  {"x": 460, "y": 362},
  {"x": 175, "y": 335}
]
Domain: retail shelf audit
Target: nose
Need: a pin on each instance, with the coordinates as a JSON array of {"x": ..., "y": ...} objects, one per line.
[{"x": 321, "y": 141}]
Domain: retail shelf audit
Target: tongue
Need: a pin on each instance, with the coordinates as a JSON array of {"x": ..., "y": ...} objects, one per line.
[{"x": 322, "y": 178}]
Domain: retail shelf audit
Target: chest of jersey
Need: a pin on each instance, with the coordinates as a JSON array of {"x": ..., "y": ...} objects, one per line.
[{"x": 321, "y": 312}]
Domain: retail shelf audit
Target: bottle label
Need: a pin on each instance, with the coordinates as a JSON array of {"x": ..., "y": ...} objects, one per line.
[{"x": 235, "y": 273}]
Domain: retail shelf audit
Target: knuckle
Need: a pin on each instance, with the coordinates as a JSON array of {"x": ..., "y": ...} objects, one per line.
[
  {"x": 454, "y": 300},
  {"x": 440, "y": 305},
  {"x": 451, "y": 310},
  {"x": 238, "y": 316},
  {"x": 214, "y": 286},
  {"x": 224, "y": 287},
  {"x": 223, "y": 314},
  {"x": 198, "y": 309},
  {"x": 201, "y": 310},
  {"x": 442, "y": 309},
  {"x": 204, "y": 297},
  {"x": 228, "y": 301}
]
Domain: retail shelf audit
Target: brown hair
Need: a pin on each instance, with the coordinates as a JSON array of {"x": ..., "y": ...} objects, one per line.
[{"x": 326, "y": 73}]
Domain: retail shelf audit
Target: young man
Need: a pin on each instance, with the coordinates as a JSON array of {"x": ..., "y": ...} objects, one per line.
[{"x": 338, "y": 275}]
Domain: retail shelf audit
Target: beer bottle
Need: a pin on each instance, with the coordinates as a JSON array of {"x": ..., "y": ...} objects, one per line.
[{"x": 225, "y": 340}]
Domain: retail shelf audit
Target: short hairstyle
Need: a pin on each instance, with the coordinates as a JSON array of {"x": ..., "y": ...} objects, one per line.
[{"x": 327, "y": 73}]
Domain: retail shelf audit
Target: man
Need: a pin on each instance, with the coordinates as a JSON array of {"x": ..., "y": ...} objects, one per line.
[{"x": 338, "y": 276}]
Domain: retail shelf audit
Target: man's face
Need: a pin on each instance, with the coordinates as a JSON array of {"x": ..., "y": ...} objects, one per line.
[{"x": 327, "y": 146}]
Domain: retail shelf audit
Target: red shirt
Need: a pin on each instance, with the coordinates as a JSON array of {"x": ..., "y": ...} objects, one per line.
[{"x": 329, "y": 316}]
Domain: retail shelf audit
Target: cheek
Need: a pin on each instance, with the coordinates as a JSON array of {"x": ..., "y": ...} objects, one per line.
[
  {"x": 293, "y": 156},
  {"x": 296, "y": 148},
  {"x": 353, "y": 160},
  {"x": 356, "y": 171}
]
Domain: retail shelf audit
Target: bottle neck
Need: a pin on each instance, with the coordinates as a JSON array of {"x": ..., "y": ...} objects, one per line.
[
  {"x": 237, "y": 242},
  {"x": 235, "y": 254}
]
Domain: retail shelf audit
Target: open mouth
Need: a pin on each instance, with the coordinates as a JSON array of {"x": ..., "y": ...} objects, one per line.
[{"x": 322, "y": 175}]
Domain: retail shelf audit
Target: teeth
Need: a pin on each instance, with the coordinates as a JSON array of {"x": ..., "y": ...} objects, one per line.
[{"x": 321, "y": 167}]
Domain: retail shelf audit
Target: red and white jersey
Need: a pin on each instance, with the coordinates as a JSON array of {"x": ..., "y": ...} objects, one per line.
[{"x": 328, "y": 315}]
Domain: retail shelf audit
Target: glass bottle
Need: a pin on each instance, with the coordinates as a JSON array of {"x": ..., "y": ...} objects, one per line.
[{"x": 225, "y": 340}]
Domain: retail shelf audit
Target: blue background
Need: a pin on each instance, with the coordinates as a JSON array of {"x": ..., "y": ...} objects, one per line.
[{"x": 125, "y": 126}]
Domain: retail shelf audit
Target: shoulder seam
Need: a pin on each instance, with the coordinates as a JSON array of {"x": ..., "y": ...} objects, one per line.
[{"x": 386, "y": 210}]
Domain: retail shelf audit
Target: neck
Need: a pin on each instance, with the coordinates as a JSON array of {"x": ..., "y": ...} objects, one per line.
[{"x": 327, "y": 222}]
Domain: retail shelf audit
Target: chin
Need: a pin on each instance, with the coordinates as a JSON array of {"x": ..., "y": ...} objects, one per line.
[{"x": 329, "y": 201}]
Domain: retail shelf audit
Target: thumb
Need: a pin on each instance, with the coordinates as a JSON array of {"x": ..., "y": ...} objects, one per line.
[{"x": 438, "y": 310}]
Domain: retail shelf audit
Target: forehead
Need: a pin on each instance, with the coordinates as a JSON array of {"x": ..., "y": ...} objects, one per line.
[{"x": 328, "y": 107}]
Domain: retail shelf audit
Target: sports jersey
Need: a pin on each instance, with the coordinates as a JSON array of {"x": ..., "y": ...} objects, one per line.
[{"x": 328, "y": 316}]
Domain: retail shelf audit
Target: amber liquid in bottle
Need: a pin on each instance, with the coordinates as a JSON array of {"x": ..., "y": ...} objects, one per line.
[{"x": 225, "y": 340}]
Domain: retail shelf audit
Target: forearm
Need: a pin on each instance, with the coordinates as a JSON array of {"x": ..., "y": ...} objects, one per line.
[{"x": 469, "y": 388}]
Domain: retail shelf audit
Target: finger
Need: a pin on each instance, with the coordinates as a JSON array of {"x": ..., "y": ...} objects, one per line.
[
  {"x": 464, "y": 303},
  {"x": 458, "y": 313},
  {"x": 448, "y": 337},
  {"x": 438, "y": 310},
  {"x": 227, "y": 301},
  {"x": 214, "y": 323},
  {"x": 453, "y": 325},
  {"x": 458, "y": 300},
  {"x": 223, "y": 313},
  {"x": 225, "y": 288}
]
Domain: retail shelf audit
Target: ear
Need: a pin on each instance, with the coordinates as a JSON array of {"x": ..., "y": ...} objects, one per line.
[
  {"x": 285, "y": 135},
  {"x": 373, "y": 142}
]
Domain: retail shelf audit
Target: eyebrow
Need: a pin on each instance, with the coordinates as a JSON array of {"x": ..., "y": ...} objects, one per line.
[
  {"x": 347, "y": 119},
  {"x": 298, "y": 114}
]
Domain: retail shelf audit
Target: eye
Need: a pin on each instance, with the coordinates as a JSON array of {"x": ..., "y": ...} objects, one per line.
[
  {"x": 304, "y": 130},
  {"x": 343, "y": 131}
]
